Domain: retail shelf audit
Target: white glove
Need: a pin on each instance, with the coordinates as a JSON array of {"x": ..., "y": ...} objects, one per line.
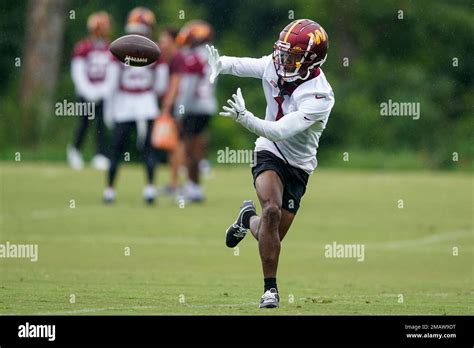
[
  {"x": 237, "y": 107},
  {"x": 214, "y": 63}
]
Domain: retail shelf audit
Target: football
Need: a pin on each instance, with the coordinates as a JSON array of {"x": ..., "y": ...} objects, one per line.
[{"x": 135, "y": 50}]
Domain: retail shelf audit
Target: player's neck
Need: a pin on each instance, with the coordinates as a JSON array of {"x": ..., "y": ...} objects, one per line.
[
  {"x": 98, "y": 38},
  {"x": 289, "y": 87}
]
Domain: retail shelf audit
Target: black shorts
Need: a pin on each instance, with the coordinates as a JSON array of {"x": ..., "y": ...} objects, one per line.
[
  {"x": 294, "y": 179},
  {"x": 192, "y": 125}
]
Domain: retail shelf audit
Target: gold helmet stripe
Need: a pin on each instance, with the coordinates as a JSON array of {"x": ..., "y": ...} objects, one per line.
[{"x": 291, "y": 29}]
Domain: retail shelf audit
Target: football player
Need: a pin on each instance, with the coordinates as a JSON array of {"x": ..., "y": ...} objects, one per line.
[
  {"x": 89, "y": 69},
  {"x": 173, "y": 57},
  {"x": 299, "y": 101},
  {"x": 197, "y": 100},
  {"x": 135, "y": 106}
]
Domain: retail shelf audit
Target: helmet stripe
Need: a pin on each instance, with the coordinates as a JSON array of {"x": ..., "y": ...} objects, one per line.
[{"x": 291, "y": 29}]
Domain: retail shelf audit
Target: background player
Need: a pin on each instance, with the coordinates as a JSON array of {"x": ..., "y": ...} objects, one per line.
[
  {"x": 197, "y": 98},
  {"x": 135, "y": 106},
  {"x": 299, "y": 101},
  {"x": 173, "y": 57},
  {"x": 89, "y": 64}
]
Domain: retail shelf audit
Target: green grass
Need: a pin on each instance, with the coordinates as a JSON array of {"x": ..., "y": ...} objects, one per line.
[{"x": 178, "y": 251}]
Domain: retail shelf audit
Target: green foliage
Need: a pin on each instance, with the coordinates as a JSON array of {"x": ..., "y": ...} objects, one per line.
[{"x": 406, "y": 60}]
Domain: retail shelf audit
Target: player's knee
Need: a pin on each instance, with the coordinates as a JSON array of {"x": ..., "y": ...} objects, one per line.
[{"x": 271, "y": 213}]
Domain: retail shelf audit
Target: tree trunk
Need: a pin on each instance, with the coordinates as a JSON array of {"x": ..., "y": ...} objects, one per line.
[{"x": 41, "y": 59}]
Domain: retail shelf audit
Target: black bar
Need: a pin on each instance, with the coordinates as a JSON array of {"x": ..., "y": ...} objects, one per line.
[{"x": 262, "y": 330}]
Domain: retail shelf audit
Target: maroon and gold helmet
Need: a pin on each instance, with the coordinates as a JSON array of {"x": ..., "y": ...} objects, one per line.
[
  {"x": 301, "y": 47},
  {"x": 98, "y": 24},
  {"x": 195, "y": 33},
  {"x": 140, "y": 21}
]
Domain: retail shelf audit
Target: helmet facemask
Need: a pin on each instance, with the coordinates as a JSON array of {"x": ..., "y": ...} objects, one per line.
[
  {"x": 293, "y": 64},
  {"x": 139, "y": 29}
]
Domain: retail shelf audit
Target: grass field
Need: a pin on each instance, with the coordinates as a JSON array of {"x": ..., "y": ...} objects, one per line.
[{"x": 179, "y": 253}]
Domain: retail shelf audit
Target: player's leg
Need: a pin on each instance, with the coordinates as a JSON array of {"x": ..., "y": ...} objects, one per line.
[
  {"x": 195, "y": 148},
  {"x": 285, "y": 224},
  {"x": 249, "y": 220},
  {"x": 280, "y": 188},
  {"x": 194, "y": 153},
  {"x": 266, "y": 228},
  {"x": 149, "y": 193},
  {"x": 119, "y": 139},
  {"x": 81, "y": 129},
  {"x": 74, "y": 155},
  {"x": 175, "y": 160},
  {"x": 100, "y": 161},
  {"x": 236, "y": 232},
  {"x": 295, "y": 187},
  {"x": 269, "y": 187}
]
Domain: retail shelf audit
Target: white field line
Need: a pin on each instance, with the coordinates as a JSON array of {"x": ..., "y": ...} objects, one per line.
[
  {"x": 431, "y": 239},
  {"x": 183, "y": 240},
  {"x": 107, "y": 309}
]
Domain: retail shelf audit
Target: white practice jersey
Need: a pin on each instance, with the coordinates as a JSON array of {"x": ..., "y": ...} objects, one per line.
[
  {"x": 196, "y": 93},
  {"x": 90, "y": 61},
  {"x": 313, "y": 98},
  {"x": 136, "y": 90}
]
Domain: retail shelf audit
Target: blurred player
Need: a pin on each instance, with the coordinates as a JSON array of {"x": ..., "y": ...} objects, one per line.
[
  {"x": 197, "y": 100},
  {"x": 135, "y": 105},
  {"x": 89, "y": 69},
  {"x": 173, "y": 57},
  {"x": 299, "y": 101}
]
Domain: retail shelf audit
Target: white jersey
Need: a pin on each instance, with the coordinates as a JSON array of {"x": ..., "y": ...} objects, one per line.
[
  {"x": 312, "y": 100},
  {"x": 89, "y": 65},
  {"x": 196, "y": 93},
  {"x": 136, "y": 90}
]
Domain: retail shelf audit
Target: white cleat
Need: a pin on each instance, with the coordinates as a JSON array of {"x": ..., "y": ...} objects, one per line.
[
  {"x": 270, "y": 299},
  {"x": 109, "y": 195},
  {"x": 205, "y": 168},
  {"x": 149, "y": 194},
  {"x": 74, "y": 158},
  {"x": 192, "y": 192},
  {"x": 100, "y": 162}
]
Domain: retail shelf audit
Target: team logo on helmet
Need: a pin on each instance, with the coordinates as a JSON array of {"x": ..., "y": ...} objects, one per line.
[{"x": 301, "y": 47}]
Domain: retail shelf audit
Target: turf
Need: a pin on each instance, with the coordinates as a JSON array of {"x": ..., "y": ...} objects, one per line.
[{"x": 178, "y": 263}]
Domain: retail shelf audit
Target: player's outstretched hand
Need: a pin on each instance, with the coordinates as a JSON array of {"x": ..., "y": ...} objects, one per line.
[
  {"x": 214, "y": 62},
  {"x": 237, "y": 106}
]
